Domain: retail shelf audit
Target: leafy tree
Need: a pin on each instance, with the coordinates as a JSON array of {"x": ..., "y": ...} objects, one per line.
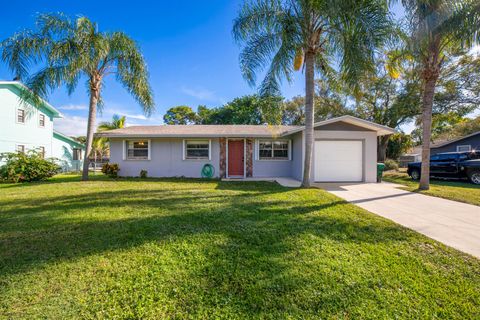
[
  {"x": 460, "y": 128},
  {"x": 457, "y": 95},
  {"x": 180, "y": 115},
  {"x": 74, "y": 49},
  {"x": 387, "y": 99},
  {"x": 329, "y": 104},
  {"x": 204, "y": 114},
  {"x": 398, "y": 144},
  {"x": 288, "y": 34},
  {"x": 437, "y": 27},
  {"x": 250, "y": 109}
]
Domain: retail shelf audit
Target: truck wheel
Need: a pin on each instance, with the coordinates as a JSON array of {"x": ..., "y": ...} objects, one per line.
[
  {"x": 415, "y": 174},
  {"x": 475, "y": 177}
]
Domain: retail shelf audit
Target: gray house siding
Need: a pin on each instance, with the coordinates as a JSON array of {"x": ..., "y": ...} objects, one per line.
[
  {"x": 166, "y": 159},
  {"x": 281, "y": 168},
  {"x": 473, "y": 141},
  {"x": 272, "y": 168},
  {"x": 297, "y": 156}
]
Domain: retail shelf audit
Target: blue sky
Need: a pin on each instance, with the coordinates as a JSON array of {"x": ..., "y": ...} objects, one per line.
[{"x": 188, "y": 46}]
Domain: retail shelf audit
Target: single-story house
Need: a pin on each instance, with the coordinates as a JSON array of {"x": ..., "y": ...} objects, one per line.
[
  {"x": 345, "y": 150},
  {"x": 464, "y": 144}
]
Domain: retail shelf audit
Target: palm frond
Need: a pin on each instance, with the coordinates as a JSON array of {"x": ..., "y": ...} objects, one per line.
[
  {"x": 131, "y": 70},
  {"x": 259, "y": 16}
]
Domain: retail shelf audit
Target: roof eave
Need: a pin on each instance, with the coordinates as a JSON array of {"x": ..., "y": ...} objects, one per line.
[
  {"x": 55, "y": 113},
  {"x": 132, "y": 135},
  {"x": 381, "y": 130}
]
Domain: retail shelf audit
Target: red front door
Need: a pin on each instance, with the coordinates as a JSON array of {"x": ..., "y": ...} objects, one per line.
[{"x": 235, "y": 158}]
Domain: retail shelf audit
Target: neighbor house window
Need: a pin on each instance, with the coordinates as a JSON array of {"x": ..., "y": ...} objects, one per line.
[
  {"x": 464, "y": 148},
  {"x": 41, "y": 152},
  {"x": 138, "y": 150},
  {"x": 41, "y": 120},
  {"x": 197, "y": 149},
  {"x": 273, "y": 149},
  {"x": 77, "y": 154},
  {"x": 21, "y": 148},
  {"x": 20, "y": 116}
]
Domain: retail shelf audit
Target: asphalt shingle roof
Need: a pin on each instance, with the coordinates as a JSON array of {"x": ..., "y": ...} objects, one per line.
[{"x": 202, "y": 131}]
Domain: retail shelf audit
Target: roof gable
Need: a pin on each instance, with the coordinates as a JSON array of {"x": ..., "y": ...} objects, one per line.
[
  {"x": 342, "y": 126},
  {"x": 446, "y": 143},
  {"x": 16, "y": 87},
  {"x": 67, "y": 139}
]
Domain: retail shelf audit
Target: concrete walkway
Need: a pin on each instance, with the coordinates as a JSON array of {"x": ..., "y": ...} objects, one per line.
[
  {"x": 453, "y": 223},
  {"x": 283, "y": 181}
]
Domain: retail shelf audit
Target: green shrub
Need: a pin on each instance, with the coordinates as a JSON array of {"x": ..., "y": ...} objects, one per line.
[
  {"x": 111, "y": 169},
  {"x": 391, "y": 165},
  {"x": 143, "y": 174},
  {"x": 29, "y": 166}
]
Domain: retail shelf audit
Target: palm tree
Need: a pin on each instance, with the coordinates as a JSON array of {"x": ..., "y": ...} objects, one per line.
[
  {"x": 117, "y": 123},
  {"x": 100, "y": 142},
  {"x": 288, "y": 34},
  {"x": 438, "y": 28},
  {"x": 72, "y": 50}
]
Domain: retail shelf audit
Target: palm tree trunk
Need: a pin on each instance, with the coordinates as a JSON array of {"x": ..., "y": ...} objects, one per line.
[
  {"x": 428, "y": 94},
  {"x": 309, "y": 111},
  {"x": 92, "y": 113}
]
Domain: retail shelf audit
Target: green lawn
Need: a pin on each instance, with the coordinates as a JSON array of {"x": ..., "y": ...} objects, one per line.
[
  {"x": 462, "y": 191},
  {"x": 207, "y": 249}
]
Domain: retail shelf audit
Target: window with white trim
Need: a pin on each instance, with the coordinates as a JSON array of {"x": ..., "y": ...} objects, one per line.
[
  {"x": 137, "y": 149},
  {"x": 197, "y": 149},
  {"x": 273, "y": 149},
  {"x": 41, "y": 120},
  {"x": 464, "y": 148},
  {"x": 20, "y": 116},
  {"x": 21, "y": 148}
]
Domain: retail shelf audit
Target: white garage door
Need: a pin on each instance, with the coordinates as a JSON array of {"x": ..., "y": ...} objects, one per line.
[{"x": 338, "y": 161}]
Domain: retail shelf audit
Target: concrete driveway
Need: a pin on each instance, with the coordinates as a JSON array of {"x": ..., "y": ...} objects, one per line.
[{"x": 453, "y": 223}]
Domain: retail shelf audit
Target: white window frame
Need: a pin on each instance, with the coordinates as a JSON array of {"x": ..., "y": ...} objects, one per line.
[
  {"x": 40, "y": 115},
  {"x": 184, "y": 150},
  {"x": 125, "y": 150},
  {"x": 24, "y": 148},
  {"x": 257, "y": 150},
  {"x": 464, "y": 145},
  {"x": 24, "y": 116}
]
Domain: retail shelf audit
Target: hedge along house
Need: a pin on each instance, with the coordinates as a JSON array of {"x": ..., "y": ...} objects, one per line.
[
  {"x": 25, "y": 126},
  {"x": 345, "y": 150}
]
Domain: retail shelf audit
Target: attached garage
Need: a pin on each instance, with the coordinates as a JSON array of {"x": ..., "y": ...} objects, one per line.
[{"x": 339, "y": 161}]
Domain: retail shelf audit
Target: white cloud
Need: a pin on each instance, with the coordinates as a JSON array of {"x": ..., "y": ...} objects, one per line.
[
  {"x": 71, "y": 125},
  {"x": 74, "y": 107},
  {"x": 201, "y": 93}
]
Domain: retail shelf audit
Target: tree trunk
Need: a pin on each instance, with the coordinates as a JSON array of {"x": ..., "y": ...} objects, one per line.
[
  {"x": 309, "y": 112},
  {"x": 427, "y": 105},
  {"x": 92, "y": 113},
  {"x": 382, "y": 148}
]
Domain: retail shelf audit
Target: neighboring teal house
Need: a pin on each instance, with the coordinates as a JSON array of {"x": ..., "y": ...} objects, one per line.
[{"x": 24, "y": 127}]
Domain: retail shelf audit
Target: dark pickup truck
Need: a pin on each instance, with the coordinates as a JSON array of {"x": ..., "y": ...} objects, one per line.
[{"x": 456, "y": 165}]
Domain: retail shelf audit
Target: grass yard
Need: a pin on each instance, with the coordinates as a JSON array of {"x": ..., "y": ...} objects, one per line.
[
  {"x": 207, "y": 249},
  {"x": 462, "y": 191}
]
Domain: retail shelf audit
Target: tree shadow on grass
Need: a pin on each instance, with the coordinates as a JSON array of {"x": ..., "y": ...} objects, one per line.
[{"x": 39, "y": 232}]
